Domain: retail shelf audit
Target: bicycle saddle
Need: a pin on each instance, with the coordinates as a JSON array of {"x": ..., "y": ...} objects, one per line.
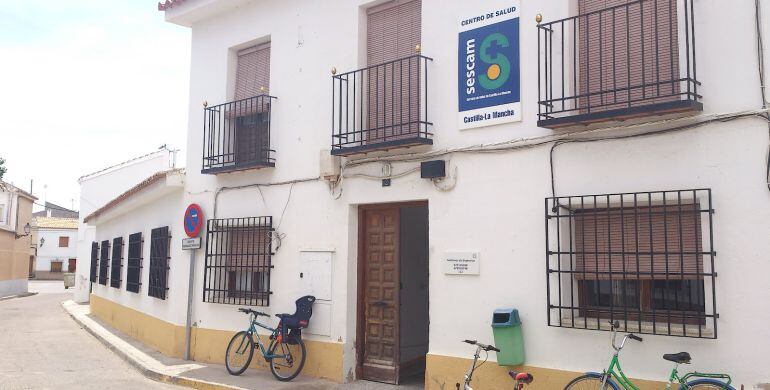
[
  {"x": 681, "y": 357},
  {"x": 522, "y": 377}
]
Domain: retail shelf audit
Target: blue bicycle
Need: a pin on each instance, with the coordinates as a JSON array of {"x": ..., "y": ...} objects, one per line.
[{"x": 285, "y": 351}]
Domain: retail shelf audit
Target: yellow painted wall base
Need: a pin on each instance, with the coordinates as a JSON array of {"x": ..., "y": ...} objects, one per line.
[
  {"x": 324, "y": 360},
  {"x": 443, "y": 372}
]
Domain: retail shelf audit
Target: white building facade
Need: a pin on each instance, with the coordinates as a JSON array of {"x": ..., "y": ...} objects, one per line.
[
  {"x": 417, "y": 165},
  {"x": 56, "y": 243},
  {"x": 98, "y": 188}
]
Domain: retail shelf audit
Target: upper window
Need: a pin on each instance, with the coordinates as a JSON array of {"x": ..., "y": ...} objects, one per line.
[
  {"x": 618, "y": 59},
  {"x": 252, "y": 75},
  {"x": 237, "y": 134},
  {"x": 238, "y": 261},
  {"x": 64, "y": 241},
  {"x": 638, "y": 258},
  {"x": 384, "y": 104}
]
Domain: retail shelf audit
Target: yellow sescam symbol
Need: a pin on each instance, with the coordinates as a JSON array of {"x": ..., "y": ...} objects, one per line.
[{"x": 493, "y": 72}]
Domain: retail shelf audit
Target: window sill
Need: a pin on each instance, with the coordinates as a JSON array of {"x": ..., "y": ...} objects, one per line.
[{"x": 647, "y": 327}]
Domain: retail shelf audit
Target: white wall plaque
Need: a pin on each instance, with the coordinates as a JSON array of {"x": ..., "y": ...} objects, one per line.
[{"x": 462, "y": 263}]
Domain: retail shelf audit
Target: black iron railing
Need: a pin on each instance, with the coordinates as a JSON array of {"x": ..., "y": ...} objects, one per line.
[
  {"x": 134, "y": 266},
  {"x": 94, "y": 263},
  {"x": 623, "y": 61},
  {"x": 236, "y": 135},
  {"x": 238, "y": 261},
  {"x": 160, "y": 243},
  {"x": 104, "y": 262},
  {"x": 645, "y": 259},
  {"x": 381, "y": 106},
  {"x": 116, "y": 266}
]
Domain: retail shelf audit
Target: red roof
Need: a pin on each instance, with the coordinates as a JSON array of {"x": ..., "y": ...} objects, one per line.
[{"x": 131, "y": 192}]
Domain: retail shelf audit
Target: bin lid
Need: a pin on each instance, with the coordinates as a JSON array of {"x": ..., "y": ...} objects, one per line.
[{"x": 505, "y": 318}]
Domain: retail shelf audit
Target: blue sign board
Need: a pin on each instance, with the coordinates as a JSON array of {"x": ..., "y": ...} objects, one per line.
[{"x": 489, "y": 67}]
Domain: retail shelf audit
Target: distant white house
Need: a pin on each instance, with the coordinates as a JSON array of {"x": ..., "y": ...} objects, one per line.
[
  {"x": 100, "y": 187},
  {"x": 56, "y": 242}
]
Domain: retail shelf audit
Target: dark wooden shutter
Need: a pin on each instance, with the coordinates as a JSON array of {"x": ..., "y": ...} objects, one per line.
[
  {"x": 393, "y": 32},
  {"x": 607, "y": 240},
  {"x": 253, "y": 71},
  {"x": 626, "y": 48}
]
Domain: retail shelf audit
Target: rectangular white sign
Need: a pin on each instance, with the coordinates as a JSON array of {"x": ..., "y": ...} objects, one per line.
[
  {"x": 191, "y": 243},
  {"x": 462, "y": 263}
]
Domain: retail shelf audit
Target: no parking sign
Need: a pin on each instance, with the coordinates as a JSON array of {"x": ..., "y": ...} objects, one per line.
[{"x": 193, "y": 222}]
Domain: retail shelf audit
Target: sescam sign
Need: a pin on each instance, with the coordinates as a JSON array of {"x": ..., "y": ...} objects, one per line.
[{"x": 489, "y": 79}]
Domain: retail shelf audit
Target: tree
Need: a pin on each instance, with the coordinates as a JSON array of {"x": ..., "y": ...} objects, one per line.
[{"x": 2, "y": 168}]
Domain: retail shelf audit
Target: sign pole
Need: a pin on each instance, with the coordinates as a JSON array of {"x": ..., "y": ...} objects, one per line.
[
  {"x": 193, "y": 222},
  {"x": 187, "y": 329}
]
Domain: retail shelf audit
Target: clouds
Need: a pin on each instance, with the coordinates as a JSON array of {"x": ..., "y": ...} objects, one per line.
[{"x": 86, "y": 84}]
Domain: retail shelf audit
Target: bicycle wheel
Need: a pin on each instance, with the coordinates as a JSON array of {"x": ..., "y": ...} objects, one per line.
[
  {"x": 239, "y": 353},
  {"x": 708, "y": 384},
  {"x": 288, "y": 358},
  {"x": 591, "y": 381}
]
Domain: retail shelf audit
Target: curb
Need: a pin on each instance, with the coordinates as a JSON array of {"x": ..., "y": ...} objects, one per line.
[
  {"x": 27, "y": 294},
  {"x": 146, "y": 371}
]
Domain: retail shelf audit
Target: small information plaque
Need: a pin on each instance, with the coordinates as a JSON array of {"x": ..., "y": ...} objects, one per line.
[
  {"x": 191, "y": 243},
  {"x": 462, "y": 263}
]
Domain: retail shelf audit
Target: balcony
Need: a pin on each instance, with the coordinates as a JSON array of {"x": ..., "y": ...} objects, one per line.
[
  {"x": 623, "y": 63},
  {"x": 236, "y": 135},
  {"x": 381, "y": 107}
]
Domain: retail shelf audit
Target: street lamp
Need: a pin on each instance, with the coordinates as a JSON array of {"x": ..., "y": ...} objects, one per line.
[
  {"x": 42, "y": 241},
  {"x": 27, "y": 229}
]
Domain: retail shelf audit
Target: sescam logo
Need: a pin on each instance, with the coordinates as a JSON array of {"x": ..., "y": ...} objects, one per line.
[
  {"x": 489, "y": 68},
  {"x": 498, "y": 69}
]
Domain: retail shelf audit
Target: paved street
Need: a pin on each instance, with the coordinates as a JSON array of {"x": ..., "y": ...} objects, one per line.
[{"x": 42, "y": 348}]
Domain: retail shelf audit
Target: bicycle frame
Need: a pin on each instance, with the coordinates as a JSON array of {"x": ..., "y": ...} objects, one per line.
[
  {"x": 274, "y": 335},
  {"x": 617, "y": 374},
  {"x": 469, "y": 375}
]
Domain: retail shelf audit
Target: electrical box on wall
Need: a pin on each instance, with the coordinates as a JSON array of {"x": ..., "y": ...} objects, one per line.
[
  {"x": 433, "y": 169},
  {"x": 329, "y": 165},
  {"x": 315, "y": 278}
]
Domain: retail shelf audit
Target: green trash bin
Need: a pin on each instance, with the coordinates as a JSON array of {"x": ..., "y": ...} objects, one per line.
[{"x": 506, "y": 327}]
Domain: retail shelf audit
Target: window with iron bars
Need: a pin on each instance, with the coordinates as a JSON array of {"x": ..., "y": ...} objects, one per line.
[
  {"x": 160, "y": 241},
  {"x": 645, "y": 259},
  {"x": 134, "y": 266},
  {"x": 238, "y": 261},
  {"x": 94, "y": 262},
  {"x": 117, "y": 262},
  {"x": 104, "y": 262}
]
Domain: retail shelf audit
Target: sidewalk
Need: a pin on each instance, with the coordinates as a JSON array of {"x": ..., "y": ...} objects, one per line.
[{"x": 156, "y": 366}]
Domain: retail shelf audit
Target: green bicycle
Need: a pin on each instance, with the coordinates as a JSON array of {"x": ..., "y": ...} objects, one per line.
[
  {"x": 285, "y": 352},
  {"x": 614, "y": 378}
]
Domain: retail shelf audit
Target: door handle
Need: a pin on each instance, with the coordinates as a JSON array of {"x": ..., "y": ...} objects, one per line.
[{"x": 379, "y": 303}]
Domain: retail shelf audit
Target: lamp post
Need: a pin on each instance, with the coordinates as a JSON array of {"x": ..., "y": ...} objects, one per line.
[{"x": 27, "y": 229}]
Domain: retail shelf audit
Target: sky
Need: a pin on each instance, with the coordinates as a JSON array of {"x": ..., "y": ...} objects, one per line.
[{"x": 85, "y": 84}]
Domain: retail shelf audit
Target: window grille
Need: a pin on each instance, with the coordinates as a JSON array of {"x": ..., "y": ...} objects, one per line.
[
  {"x": 160, "y": 240},
  {"x": 104, "y": 264},
  {"x": 134, "y": 266},
  {"x": 117, "y": 262},
  {"x": 238, "y": 261},
  {"x": 94, "y": 261},
  {"x": 645, "y": 259}
]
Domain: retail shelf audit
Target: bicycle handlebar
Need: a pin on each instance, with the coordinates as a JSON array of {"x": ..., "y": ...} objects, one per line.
[
  {"x": 250, "y": 311},
  {"x": 635, "y": 337},
  {"x": 483, "y": 346}
]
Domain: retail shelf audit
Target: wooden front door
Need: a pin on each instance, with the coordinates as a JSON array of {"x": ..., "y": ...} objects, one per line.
[
  {"x": 71, "y": 265},
  {"x": 379, "y": 294}
]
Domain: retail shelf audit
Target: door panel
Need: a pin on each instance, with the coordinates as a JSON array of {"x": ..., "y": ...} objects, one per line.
[
  {"x": 72, "y": 265},
  {"x": 381, "y": 295}
]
